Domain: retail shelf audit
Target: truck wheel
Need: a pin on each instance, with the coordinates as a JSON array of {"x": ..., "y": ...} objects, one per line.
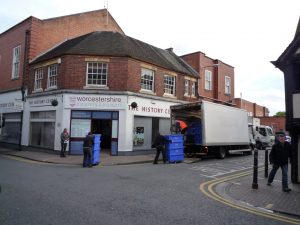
[{"x": 221, "y": 153}]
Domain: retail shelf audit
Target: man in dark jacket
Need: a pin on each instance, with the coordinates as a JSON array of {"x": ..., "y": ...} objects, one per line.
[
  {"x": 279, "y": 155},
  {"x": 87, "y": 150},
  {"x": 159, "y": 144}
]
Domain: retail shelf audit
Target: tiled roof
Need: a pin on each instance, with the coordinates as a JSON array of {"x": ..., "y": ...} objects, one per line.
[{"x": 106, "y": 43}]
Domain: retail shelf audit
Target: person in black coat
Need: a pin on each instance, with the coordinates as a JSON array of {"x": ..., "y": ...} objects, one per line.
[
  {"x": 87, "y": 150},
  {"x": 159, "y": 144},
  {"x": 279, "y": 156}
]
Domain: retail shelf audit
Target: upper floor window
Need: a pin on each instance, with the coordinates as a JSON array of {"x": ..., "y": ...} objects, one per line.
[
  {"x": 147, "y": 79},
  {"x": 169, "y": 84},
  {"x": 97, "y": 73},
  {"x": 38, "y": 78},
  {"x": 52, "y": 76},
  {"x": 186, "y": 87},
  {"x": 208, "y": 80},
  {"x": 193, "y": 88},
  {"x": 16, "y": 62},
  {"x": 227, "y": 85}
]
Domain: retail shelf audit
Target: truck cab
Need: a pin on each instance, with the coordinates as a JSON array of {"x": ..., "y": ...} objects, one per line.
[{"x": 264, "y": 136}]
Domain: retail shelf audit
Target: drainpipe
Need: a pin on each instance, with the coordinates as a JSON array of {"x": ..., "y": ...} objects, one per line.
[{"x": 22, "y": 89}]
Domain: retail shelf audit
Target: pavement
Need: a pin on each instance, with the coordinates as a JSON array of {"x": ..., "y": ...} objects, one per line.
[{"x": 238, "y": 189}]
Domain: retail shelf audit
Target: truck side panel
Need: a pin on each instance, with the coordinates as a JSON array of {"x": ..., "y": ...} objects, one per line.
[{"x": 223, "y": 125}]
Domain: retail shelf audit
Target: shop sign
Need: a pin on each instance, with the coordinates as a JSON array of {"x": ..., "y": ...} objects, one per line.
[
  {"x": 95, "y": 101},
  {"x": 41, "y": 102},
  {"x": 12, "y": 106}
]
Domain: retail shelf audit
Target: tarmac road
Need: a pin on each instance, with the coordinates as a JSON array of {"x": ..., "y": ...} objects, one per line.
[{"x": 133, "y": 194}]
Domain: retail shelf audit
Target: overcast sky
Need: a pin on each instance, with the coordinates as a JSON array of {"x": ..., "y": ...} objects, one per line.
[{"x": 246, "y": 34}]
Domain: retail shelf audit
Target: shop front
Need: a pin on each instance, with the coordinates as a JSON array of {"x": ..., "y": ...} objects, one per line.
[
  {"x": 123, "y": 129},
  {"x": 149, "y": 117},
  {"x": 11, "y": 108},
  {"x": 98, "y": 114}
]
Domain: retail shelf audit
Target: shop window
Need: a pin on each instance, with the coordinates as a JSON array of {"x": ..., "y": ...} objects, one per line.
[
  {"x": 42, "y": 129},
  {"x": 42, "y": 134},
  {"x": 81, "y": 114},
  {"x": 10, "y": 132},
  {"x": 96, "y": 74}
]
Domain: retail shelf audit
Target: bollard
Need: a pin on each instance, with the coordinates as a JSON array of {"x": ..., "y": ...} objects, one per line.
[
  {"x": 266, "y": 162},
  {"x": 255, "y": 168}
]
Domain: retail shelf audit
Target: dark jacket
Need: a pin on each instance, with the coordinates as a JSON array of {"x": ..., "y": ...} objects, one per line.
[
  {"x": 88, "y": 141},
  {"x": 280, "y": 153},
  {"x": 160, "y": 141}
]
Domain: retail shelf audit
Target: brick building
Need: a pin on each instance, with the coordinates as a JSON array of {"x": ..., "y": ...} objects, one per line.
[
  {"x": 253, "y": 109},
  {"x": 26, "y": 40},
  {"x": 216, "y": 78}
]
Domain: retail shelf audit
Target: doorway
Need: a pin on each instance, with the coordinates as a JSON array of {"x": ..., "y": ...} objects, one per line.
[{"x": 103, "y": 127}]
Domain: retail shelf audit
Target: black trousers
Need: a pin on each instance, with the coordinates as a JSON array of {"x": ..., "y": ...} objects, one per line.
[
  {"x": 162, "y": 150},
  {"x": 63, "y": 148},
  {"x": 87, "y": 157}
]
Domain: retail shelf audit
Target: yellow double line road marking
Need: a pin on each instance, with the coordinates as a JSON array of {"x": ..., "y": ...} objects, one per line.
[{"x": 207, "y": 188}]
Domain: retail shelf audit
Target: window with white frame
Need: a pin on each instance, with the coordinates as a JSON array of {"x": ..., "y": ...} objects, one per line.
[
  {"x": 38, "y": 78},
  {"x": 16, "y": 62},
  {"x": 147, "y": 79},
  {"x": 208, "y": 80},
  {"x": 193, "y": 88},
  {"x": 52, "y": 76},
  {"x": 186, "y": 87},
  {"x": 227, "y": 85},
  {"x": 97, "y": 73},
  {"x": 169, "y": 84}
]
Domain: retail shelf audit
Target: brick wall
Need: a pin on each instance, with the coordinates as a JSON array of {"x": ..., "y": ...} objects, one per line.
[
  {"x": 44, "y": 35},
  {"x": 200, "y": 62},
  {"x": 124, "y": 74},
  {"x": 278, "y": 123},
  {"x": 8, "y": 41}
]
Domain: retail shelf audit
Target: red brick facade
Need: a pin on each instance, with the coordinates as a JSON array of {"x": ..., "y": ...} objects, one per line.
[
  {"x": 252, "y": 108},
  {"x": 124, "y": 74},
  {"x": 200, "y": 62},
  {"x": 43, "y": 35},
  {"x": 278, "y": 123}
]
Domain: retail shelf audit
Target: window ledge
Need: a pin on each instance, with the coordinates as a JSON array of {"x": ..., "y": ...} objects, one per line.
[
  {"x": 169, "y": 96},
  {"x": 51, "y": 88},
  {"x": 186, "y": 95},
  {"x": 147, "y": 92},
  {"x": 38, "y": 90},
  {"x": 96, "y": 87}
]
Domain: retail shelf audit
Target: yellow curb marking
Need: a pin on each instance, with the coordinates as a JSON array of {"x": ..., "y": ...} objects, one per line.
[{"x": 207, "y": 188}]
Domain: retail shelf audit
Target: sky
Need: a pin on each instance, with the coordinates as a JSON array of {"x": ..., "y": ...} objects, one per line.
[{"x": 245, "y": 34}]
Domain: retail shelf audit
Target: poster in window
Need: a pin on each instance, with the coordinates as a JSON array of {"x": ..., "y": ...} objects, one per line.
[
  {"x": 80, "y": 127},
  {"x": 139, "y": 137}
]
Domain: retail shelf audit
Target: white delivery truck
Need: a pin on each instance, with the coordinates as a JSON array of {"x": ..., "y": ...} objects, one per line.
[{"x": 211, "y": 128}]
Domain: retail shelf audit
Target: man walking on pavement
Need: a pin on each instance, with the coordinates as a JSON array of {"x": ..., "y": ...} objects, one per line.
[{"x": 279, "y": 155}]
